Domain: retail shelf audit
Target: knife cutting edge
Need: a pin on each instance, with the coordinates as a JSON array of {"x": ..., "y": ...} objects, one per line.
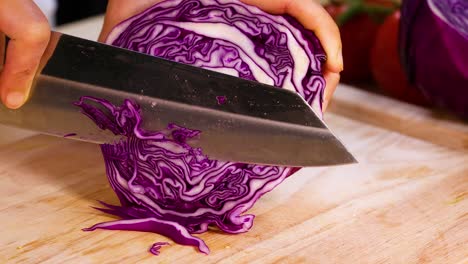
[{"x": 257, "y": 123}]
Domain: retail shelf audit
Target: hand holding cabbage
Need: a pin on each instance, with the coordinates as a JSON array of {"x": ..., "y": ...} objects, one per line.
[
  {"x": 30, "y": 38},
  {"x": 311, "y": 14}
]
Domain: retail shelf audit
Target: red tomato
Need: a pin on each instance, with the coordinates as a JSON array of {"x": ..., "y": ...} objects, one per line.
[
  {"x": 357, "y": 37},
  {"x": 386, "y": 67}
]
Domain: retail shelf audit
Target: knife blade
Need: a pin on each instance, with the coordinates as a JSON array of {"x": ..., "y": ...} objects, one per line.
[{"x": 258, "y": 123}]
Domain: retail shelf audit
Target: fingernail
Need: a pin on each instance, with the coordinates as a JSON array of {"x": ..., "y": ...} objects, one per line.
[{"x": 15, "y": 99}]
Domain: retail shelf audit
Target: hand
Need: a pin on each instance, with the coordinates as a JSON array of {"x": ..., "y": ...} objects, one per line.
[
  {"x": 311, "y": 14},
  {"x": 29, "y": 31},
  {"x": 315, "y": 18}
]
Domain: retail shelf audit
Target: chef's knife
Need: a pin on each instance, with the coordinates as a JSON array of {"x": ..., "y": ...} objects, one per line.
[{"x": 257, "y": 123}]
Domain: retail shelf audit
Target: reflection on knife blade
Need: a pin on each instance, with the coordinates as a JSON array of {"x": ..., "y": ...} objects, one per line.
[{"x": 258, "y": 123}]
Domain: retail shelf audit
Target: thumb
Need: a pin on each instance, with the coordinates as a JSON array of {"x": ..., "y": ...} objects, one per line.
[{"x": 28, "y": 41}]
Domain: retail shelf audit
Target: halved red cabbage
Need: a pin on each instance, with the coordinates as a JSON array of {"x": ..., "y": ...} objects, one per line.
[
  {"x": 230, "y": 37},
  {"x": 433, "y": 48},
  {"x": 159, "y": 179}
]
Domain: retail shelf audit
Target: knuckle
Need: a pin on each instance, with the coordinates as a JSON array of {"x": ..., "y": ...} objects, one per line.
[
  {"x": 287, "y": 5},
  {"x": 38, "y": 33},
  {"x": 20, "y": 75},
  {"x": 19, "y": 72},
  {"x": 25, "y": 72}
]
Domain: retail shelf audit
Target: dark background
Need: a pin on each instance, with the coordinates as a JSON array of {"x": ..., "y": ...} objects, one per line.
[{"x": 71, "y": 10}]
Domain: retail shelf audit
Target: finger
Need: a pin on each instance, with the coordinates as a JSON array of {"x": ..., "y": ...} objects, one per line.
[
  {"x": 313, "y": 17},
  {"x": 29, "y": 37},
  {"x": 332, "y": 79},
  {"x": 120, "y": 10}
]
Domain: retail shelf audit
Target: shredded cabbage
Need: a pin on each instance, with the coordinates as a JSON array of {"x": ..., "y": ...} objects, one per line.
[{"x": 156, "y": 247}]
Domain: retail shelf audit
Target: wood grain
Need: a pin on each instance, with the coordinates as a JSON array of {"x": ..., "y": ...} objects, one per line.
[
  {"x": 406, "y": 202},
  {"x": 426, "y": 124}
]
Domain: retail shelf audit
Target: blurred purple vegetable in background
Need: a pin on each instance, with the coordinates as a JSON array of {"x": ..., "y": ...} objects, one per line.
[{"x": 434, "y": 50}]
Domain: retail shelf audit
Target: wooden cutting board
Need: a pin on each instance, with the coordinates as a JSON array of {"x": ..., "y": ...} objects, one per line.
[
  {"x": 405, "y": 202},
  {"x": 427, "y": 124}
]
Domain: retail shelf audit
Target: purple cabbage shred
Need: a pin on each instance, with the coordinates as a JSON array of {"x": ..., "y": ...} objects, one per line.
[
  {"x": 221, "y": 100},
  {"x": 156, "y": 247}
]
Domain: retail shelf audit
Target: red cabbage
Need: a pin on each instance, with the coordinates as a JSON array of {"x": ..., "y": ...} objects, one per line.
[
  {"x": 230, "y": 37},
  {"x": 161, "y": 181},
  {"x": 164, "y": 185},
  {"x": 433, "y": 48},
  {"x": 156, "y": 247},
  {"x": 221, "y": 99}
]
